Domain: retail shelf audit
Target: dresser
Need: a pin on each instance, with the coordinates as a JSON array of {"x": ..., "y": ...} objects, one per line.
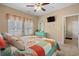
[{"x": 41, "y": 33}]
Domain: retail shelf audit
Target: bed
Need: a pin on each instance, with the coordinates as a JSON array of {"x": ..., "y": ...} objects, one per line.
[{"x": 34, "y": 46}]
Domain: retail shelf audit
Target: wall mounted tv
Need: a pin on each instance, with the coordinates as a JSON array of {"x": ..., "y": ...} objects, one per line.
[{"x": 51, "y": 19}]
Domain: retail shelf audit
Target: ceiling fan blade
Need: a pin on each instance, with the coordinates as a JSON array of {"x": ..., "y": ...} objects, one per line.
[
  {"x": 43, "y": 9},
  {"x": 29, "y": 5},
  {"x": 45, "y": 3}
]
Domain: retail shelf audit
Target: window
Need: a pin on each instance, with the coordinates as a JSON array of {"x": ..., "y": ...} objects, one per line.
[
  {"x": 16, "y": 26},
  {"x": 11, "y": 25},
  {"x": 28, "y": 27}
]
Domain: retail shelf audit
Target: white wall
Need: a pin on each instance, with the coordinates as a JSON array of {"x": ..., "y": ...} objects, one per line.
[{"x": 57, "y": 28}]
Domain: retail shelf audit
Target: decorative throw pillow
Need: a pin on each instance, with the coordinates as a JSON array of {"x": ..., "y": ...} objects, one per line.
[
  {"x": 13, "y": 40},
  {"x": 18, "y": 43},
  {"x": 2, "y": 42}
]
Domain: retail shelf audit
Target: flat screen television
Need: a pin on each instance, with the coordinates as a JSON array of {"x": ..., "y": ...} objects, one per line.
[{"x": 51, "y": 19}]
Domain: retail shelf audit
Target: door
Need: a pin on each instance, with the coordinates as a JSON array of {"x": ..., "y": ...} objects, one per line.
[{"x": 72, "y": 29}]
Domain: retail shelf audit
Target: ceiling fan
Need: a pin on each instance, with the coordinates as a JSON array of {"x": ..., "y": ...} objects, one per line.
[{"x": 38, "y": 6}]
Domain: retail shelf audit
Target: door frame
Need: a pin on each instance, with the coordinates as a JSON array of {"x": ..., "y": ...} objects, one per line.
[{"x": 64, "y": 24}]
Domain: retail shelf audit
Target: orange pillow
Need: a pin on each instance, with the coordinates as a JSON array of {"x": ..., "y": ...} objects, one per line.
[{"x": 2, "y": 42}]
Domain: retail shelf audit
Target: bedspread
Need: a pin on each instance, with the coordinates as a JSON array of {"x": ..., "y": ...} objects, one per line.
[{"x": 34, "y": 47}]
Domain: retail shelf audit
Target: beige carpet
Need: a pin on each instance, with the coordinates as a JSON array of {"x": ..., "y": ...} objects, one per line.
[{"x": 70, "y": 48}]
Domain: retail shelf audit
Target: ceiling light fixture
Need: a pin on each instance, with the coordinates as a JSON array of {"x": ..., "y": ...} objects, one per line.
[{"x": 38, "y": 6}]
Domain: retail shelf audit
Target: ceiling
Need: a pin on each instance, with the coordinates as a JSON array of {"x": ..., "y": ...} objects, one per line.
[{"x": 30, "y": 10}]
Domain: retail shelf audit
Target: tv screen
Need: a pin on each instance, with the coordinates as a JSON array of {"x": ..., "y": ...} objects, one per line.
[{"x": 51, "y": 19}]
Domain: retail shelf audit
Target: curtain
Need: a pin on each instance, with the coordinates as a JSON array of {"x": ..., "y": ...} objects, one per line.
[
  {"x": 26, "y": 27},
  {"x": 30, "y": 27},
  {"x": 28, "y": 30},
  {"x": 11, "y": 25},
  {"x": 21, "y": 26},
  {"x": 17, "y": 26}
]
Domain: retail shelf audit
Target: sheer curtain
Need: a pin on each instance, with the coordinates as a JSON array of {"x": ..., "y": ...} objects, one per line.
[
  {"x": 17, "y": 25},
  {"x": 21, "y": 27},
  {"x": 28, "y": 27},
  {"x": 11, "y": 25}
]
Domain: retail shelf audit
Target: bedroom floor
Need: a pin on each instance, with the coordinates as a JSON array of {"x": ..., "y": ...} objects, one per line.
[{"x": 70, "y": 48}]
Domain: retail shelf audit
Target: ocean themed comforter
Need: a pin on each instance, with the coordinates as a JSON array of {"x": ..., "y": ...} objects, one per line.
[{"x": 34, "y": 46}]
